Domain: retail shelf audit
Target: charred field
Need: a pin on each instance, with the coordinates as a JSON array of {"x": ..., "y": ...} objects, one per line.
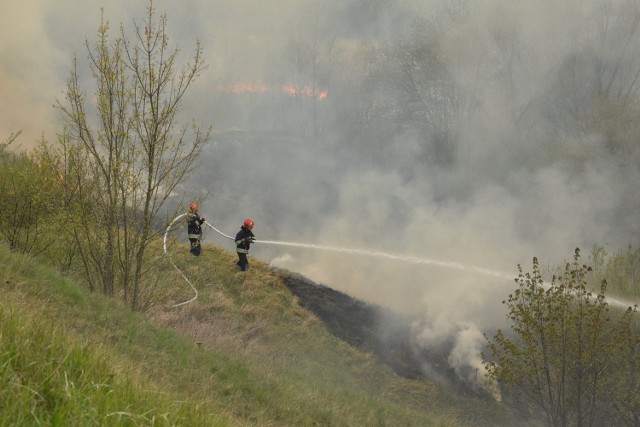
[{"x": 380, "y": 331}]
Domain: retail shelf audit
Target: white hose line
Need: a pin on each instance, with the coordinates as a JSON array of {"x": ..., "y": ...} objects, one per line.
[
  {"x": 219, "y": 232},
  {"x": 164, "y": 245}
]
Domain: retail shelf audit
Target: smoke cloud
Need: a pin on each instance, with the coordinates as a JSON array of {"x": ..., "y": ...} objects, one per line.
[{"x": 523, "y": 173}]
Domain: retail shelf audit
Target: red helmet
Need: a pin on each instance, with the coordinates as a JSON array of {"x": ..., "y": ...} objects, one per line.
[
  {"x": 248, "y": 223},
  {"x": 193, "y": 206}
]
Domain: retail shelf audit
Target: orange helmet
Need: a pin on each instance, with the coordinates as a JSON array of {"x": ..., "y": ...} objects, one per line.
[
  {"x": 193, "y": 206},
  {"x": 248, "y": 223}
]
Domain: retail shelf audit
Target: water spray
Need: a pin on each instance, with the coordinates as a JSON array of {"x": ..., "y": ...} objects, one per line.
[
  {"x": 364, "y": 252},
  {"x": 395, "y": 257}
]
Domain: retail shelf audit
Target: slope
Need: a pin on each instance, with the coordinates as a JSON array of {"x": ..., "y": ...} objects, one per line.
[{"x": 244, "y": 353}]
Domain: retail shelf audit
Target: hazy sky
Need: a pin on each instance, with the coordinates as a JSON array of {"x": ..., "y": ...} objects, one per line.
[{"x": 497, "y": 209}]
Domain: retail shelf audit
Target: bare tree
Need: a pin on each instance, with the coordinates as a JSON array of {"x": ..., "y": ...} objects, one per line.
[{"x": 133, "y": 154}]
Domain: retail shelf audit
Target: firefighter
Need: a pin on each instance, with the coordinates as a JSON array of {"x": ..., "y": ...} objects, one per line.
[
  {"x": 194, "y": 229},
  {"x": 244, "y": 238}
]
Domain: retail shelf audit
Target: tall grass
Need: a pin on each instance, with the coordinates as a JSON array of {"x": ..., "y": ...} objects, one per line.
[
  {"x": 49, "y": 376},
  {"x": 620, "y": 269}
]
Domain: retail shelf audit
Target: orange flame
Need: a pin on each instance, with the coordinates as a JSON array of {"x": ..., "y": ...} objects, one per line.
[
  {"x": 293, "y": 90},
  {"x": 288, "y": 89}
]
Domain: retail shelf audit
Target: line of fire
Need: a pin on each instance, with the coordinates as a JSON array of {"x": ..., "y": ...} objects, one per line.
[{"x": 288, "y": 89}]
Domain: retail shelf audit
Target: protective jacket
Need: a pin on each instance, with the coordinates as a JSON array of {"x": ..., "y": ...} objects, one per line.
[
  {"x": 243, "y": 240},
  {"x": 194, "y": 226}
]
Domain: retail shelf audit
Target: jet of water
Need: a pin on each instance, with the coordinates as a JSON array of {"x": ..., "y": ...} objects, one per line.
[
  {"x": 405, "y": 258},
  {"x": 353, "y": 251},
  {"x": 412, "y": 259}
]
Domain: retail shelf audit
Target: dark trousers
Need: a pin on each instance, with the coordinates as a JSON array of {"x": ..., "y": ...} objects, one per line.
[
  {"x": 195, "y": 247},
  {"x": 243, "y": 262}
]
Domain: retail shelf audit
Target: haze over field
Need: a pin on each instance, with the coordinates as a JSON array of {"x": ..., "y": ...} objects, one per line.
[{"x": 493, "y": 132}]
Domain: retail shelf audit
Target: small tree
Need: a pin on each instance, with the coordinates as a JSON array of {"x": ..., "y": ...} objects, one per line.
[
  {"x": 29, "y": 197},
  {"x": 129, "y": 159},
  {"x": 564, "y": 353}
]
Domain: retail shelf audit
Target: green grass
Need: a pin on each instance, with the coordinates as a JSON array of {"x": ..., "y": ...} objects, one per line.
[
  {"x": 49, "y": 376},
  {"x": 243, "y": 353}
]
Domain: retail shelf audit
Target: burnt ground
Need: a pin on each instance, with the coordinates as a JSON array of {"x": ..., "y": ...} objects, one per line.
[{"x": 376, "y": 330}]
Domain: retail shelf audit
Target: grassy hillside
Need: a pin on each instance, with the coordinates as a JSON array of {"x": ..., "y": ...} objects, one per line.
[{"x": 243, "y": 353}]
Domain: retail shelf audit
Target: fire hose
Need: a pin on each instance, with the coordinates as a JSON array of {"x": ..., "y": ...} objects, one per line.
[{"x": 164, "y": 247}]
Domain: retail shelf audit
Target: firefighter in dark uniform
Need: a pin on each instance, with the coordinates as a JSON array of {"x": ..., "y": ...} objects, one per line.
[
  {"x": 194, "y": 229},
  {"x": 244, "y": 238}
]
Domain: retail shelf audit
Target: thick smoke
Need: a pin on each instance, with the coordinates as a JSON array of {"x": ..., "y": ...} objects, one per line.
[{"x": 523, "y": 174}]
